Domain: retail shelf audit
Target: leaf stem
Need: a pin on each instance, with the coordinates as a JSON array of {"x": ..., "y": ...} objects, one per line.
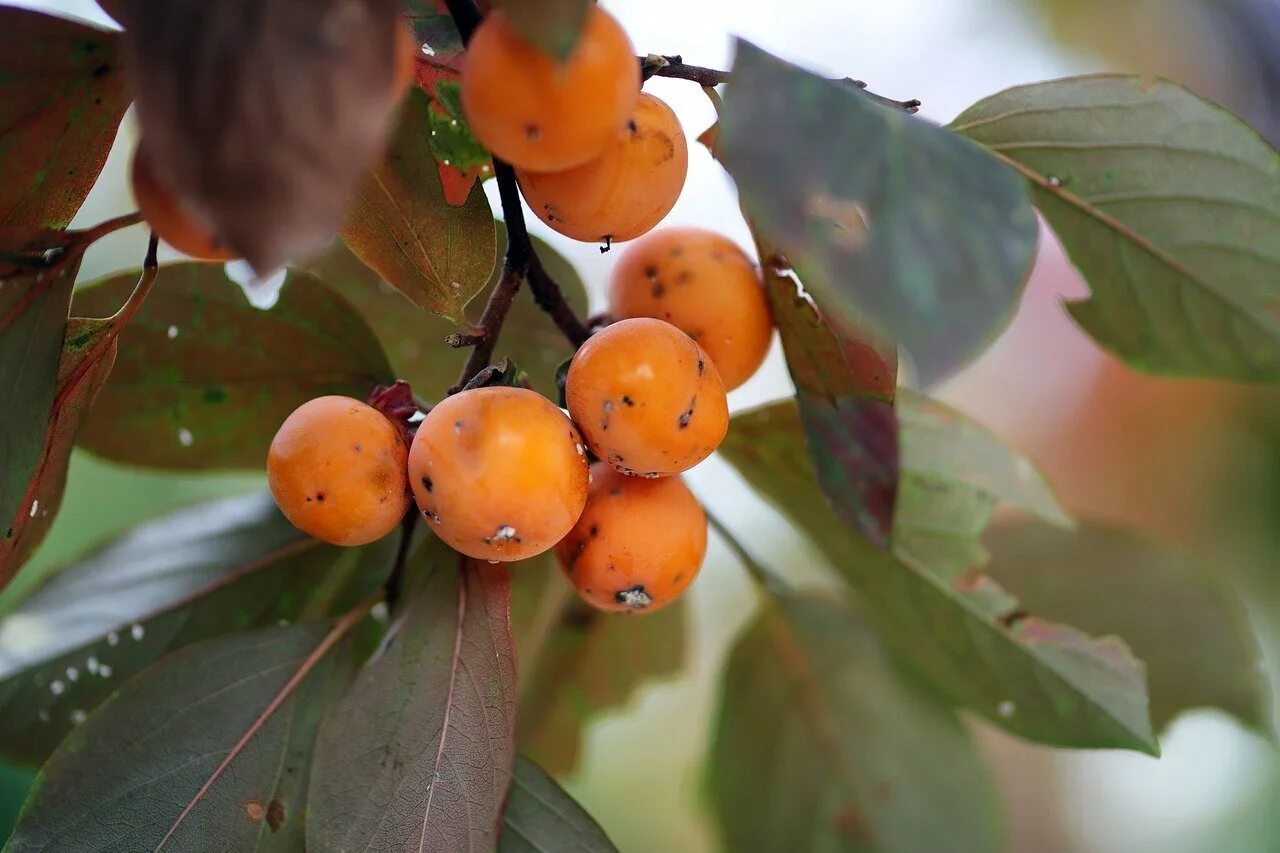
[
  {"x": 765, "y": 580},
  {"x": 102, "y": 229}
]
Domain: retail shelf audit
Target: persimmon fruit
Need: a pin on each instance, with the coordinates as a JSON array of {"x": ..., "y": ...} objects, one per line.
[
  {"x": 168, "y": 218},
  {"x": 336, "y": 468},
  {"x": 499, "y": 473}
]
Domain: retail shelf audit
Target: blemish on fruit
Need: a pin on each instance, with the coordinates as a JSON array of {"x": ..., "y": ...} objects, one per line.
[
  {"x": 627, "y": 401},
  {"x": 635, "y": 597},
  {"x": 532, "y": 132},
  {"x": 358, "y": 448},
  {"x": 320, "y": 497},
  {"x": 426, "y": 483}
]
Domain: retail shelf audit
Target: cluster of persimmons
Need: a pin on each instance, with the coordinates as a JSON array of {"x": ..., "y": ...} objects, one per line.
[{"x": 501, "y": 473}]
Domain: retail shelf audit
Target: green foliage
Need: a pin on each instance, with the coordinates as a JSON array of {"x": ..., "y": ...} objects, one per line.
[
  {"x": 196, "y": 573},
  {"x": 541, "y": 816},
  {"x": 420, "y": 751},
  {"x": 552, "y": 25},
  {"x": 208, "y": 748},
  {"x": 204, "y": 380},
  {"x": 967, "y": 637},
  {"x": 809, "y": 695},
  {"x": 452, "y": 141},
  {"x": 1170, "y": 207},
  {"x": 882, "y": 214},
  {"x": 1108, "y": 581},
  {"x": 403, "y": 227},
  {"x": 63, "y": 100}
]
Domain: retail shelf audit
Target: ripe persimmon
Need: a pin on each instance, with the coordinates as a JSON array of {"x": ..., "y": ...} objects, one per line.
[
  {"x": 625, "y": 191},
  {"x": 647, "y": 398},
  {"x": 499, "y": 473},
  {"x": 337, "y": 470},
  {"x": 638, "y": 544},
  {"x": 168, "y": 218},
  {"x": 702, "y": 283},
  {"x": 538, "y": 113}
]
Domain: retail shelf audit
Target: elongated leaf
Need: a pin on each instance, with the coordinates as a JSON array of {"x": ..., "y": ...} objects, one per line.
[
  {"x": 954, "y": 473},
  {"x": 577, "y": 662},
  {"x": 968, "y": 638},
  {"x": 37, "y": 271},
  {"x": 888, "y": 220},
  {"x": 541, "y": 816},
  {"x": 402, "y": 227},
  {"x": 552, "y": 25},
  {"x": 822, "y": 745},
  {"x": 1169, "y": 206},
  {"x": 414, "y": 341},
  {"x": 64, "y": 98},
  {"x": 166, "y": 762},
  {"x": 199, "y": 572},
  {"x": 419, "y": 754},
  {"x": 88, "y": 353},
  {"x": 204, "y": 380},
  {"x": 1180, "y": 618}
]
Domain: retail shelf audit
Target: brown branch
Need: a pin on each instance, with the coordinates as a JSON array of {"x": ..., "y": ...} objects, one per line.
[{"x": 547, "y": 293}]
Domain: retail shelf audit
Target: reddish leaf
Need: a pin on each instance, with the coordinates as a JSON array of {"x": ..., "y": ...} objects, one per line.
[
  {"x": 402, "y": 227},
  {"x": 419, "y": 753},
  {"x": 63, "y": 101}
]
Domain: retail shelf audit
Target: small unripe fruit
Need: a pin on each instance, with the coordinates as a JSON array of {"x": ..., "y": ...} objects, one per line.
[
  {"x": 165, "y": 214},
  {"x": 499, "y": 473},
  {"x": 702, "y": 283},
  {"x": 625, "y": 191},
  {"x": 638, "y": 544},
  {"x": 537, "y": 113},
  {"x": 647, "y": 398},
  {"x": 337, "y": 470}
]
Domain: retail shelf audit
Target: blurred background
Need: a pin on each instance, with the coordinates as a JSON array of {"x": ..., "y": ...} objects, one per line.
[{"x": 1195, "y": 463}]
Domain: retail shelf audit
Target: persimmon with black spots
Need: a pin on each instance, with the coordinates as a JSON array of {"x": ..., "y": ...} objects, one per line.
[
  {"x": 337, "y": 470},
  {"x": 702, "y": 283},
  {"x": 499, "y": 473},
  {"x": 647, "y": 398},
  {"x": 639, "y": 542},
  {"x": 625, "y": 191}
]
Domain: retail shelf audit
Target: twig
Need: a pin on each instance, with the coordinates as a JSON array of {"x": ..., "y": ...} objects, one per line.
[
  {"x": 764, "y": 579},
  {"x": 458, "y": 340},
  {"x": 547, "y": 293},
  {"x": 394, "y": 585},
  {"x": 676, "y": 68},
  {"x": 102, "y": 229}
]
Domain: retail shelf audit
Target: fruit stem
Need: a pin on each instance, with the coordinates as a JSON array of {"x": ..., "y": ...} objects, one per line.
[
  {"x": 765, "y": 580},
  {"x": 394, "y": 585}
]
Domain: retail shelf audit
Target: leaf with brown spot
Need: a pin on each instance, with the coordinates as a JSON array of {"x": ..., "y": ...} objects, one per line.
[
  {"x": 263, "y": 114},
  {"x": 204, "y": 380},
  {"x": 401, "y": 225},
  {"x": 37, "y": 272},
  {"x": 63, "y": 100},
  {"x": 578, "y": 662},
  {"x": 419, "y": 754},
  {"x": 822, "y": 744},
  {"x": 181, "y": 753},
  {"x": 1049, "y": 683},
  {"x": 183, "y": 577}
]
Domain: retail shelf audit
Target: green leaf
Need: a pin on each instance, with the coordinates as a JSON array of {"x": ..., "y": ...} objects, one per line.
[
  {"x": 968, "y": 638},
  {"x": 1182, "y": 620},
  {"x": 452, "y": 141},
  {"x": 403, "y": 228},
  {"x": 37, "y": 271},
  {"x": 420, "y": 751},
  {"x": 64, "y": 96},
  {"x": 210, "y": 748},
  {"x": 577, "y": 662},
  {"x": 821, "y": 744},
  {"x": 1169, "y": 206},
  {"x": 89, "y": 351},
  {"x": 199, "y": 572},
  {"x": 552, "y": 25},
  {"x": 204, "y": 380},
  {"x": 954, "y": 473},
  {"x": 415, "y": 341},
  {"x": 890, "y": 221},
  {"x": 542, "y": 816}
]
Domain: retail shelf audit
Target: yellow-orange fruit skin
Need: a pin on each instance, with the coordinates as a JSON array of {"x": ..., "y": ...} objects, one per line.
[
  {"x": 639, "y": 543},
  {"x": 537, "y": 113},
  {"x": 702, "y": 283},
  {"x": 164, "y": 213},
  {"x": 647, "y": 398},
  {"x": 625, "y": 191},
  {"x": 499, "y": 473},
  {"x": 337, "y": 470}
]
